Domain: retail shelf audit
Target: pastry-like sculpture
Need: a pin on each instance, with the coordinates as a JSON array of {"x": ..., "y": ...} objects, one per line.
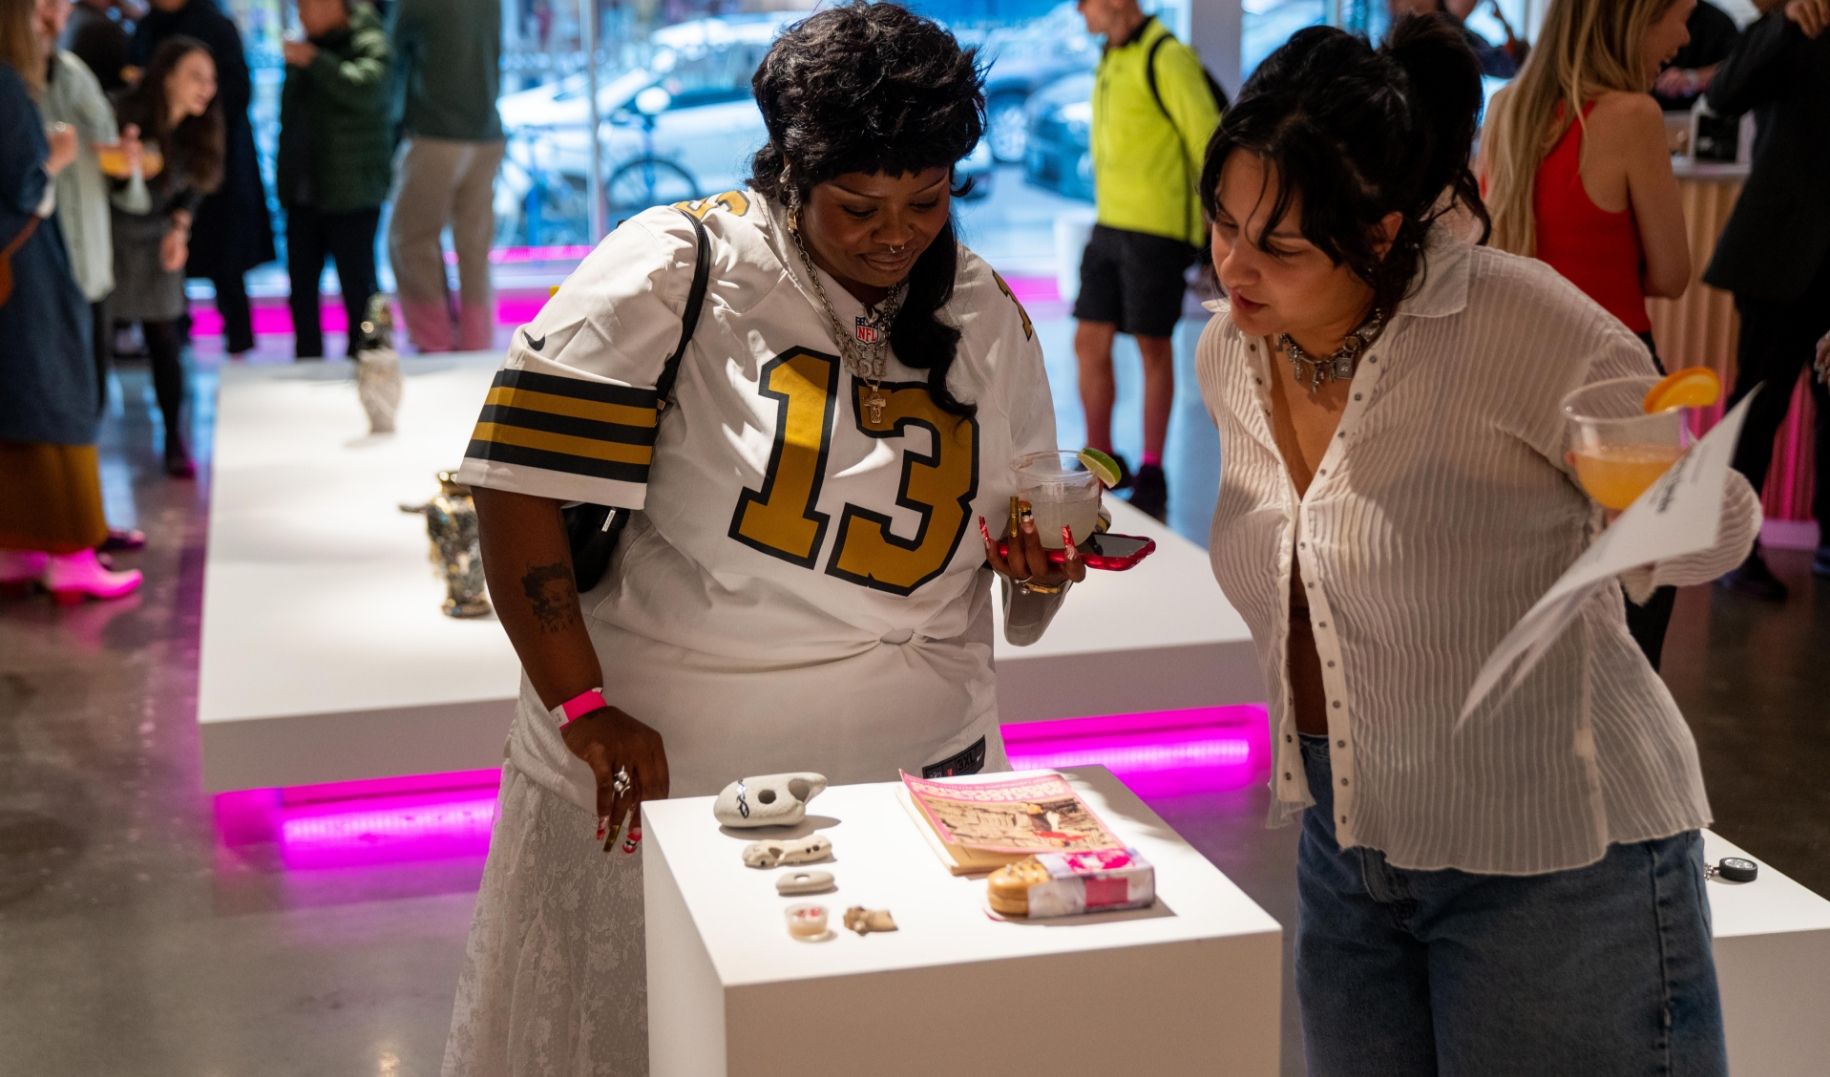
[
  {"x": 1071, "y": 883},
  {"x": 1009, "y": 886},
  {"x": 807, "y": 922},
  {"x": 804, "y": 882},
  {"x": 768, "y": 799},
  {"x": 864, "y": 921},
  {"x": 770, "y": 854}
]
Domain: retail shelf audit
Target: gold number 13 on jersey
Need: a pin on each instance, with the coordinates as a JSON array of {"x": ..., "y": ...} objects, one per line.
[{"x": 780, "y": 519}]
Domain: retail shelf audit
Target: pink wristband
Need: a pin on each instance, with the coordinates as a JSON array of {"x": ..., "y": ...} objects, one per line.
[{"x": 582, "y": 704}]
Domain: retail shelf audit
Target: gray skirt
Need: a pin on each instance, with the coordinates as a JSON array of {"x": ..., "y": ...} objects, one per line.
[{"x": 143, "y": 290}]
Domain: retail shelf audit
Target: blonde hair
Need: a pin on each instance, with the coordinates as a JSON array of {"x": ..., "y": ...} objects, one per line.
[
  {"x": 19, "y": 47},
  {"x": 1585, "y": 48}
]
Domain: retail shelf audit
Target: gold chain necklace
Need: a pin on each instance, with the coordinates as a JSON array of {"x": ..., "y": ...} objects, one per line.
[{"x": 866, "y": 360}]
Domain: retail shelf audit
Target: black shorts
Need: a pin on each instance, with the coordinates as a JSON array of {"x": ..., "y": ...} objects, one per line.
[{"x": 1133, "y": 280}]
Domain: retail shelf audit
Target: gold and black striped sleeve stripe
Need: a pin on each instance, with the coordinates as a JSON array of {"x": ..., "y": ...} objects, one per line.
[{"x": 566, "y": 425}]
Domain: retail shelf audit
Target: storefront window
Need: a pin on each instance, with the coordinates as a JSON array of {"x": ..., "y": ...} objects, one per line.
[{"x": 676, "y": 118}]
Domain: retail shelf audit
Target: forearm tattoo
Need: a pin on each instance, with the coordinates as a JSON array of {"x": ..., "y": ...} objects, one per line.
[{"x": 552, "y": 596}]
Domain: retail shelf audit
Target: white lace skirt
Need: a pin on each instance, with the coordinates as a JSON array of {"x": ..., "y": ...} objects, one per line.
[{"x": 554, "y": 980}]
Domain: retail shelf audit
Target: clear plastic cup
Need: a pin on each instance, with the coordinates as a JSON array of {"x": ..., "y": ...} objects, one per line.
[
  {"x": 1061, "y": 492},
  {"x": 1620, "y": 450}
]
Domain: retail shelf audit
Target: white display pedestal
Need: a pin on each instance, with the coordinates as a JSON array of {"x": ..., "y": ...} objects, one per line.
[
  {"x": 325, "y": 657},
  {"x": 1189, "y": 987},
  {"x": 1772, "y": 944}
]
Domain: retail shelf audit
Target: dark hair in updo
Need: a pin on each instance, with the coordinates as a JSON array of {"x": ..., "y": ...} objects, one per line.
[
  {"x": 1359, "y": 133},
  {"x": 875, "y": 88}
]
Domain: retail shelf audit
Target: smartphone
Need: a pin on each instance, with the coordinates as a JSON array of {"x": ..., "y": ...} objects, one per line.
[{"x": 1102, "y": 550}]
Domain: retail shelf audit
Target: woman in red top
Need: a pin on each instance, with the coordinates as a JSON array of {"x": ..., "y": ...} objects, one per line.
[{"x": 1576, "y": 171}]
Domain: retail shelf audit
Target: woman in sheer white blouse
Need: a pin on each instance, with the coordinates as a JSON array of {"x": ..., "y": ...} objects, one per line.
[{"x": 1526, "y": 889}]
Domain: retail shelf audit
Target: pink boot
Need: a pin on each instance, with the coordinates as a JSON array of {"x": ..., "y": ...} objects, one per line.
[
  {"x": 20, "y": 571},
  {"x": 73, "y": 577}
]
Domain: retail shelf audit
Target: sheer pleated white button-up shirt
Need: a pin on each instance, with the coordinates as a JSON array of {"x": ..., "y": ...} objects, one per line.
[{"x": 1442, "y": 510}]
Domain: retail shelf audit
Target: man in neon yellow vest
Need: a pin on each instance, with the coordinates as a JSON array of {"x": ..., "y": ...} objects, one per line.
[{"x": 1153, "y": 113}]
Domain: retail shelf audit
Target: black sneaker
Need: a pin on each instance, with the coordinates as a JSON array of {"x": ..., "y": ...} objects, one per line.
[
  {"x": 1754, "y": 580},
  {"x": 1820, "y": 565},
  {"x": 1150, "y": 491}
]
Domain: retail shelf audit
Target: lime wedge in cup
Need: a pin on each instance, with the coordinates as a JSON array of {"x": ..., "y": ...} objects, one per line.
[{"x": 1102, "y": 465}]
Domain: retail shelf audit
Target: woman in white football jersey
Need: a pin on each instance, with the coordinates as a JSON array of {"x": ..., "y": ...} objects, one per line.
[{"x": 808, "y": 583}]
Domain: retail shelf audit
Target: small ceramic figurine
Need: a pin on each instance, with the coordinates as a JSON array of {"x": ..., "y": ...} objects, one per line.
[
  {"x": 805, "y": 882},
  {"x": 378, "y": 381},
  {"x": 769, "y": 854},
  {"x": 807, "y": 922},
  {"x": 864, "y": 921},
  {"x": 768, "y": 799},
  {"x": 451, "y": 524}
]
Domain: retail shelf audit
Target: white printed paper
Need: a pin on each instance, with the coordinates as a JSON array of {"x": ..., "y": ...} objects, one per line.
[{"x": 1679, "y": 514}]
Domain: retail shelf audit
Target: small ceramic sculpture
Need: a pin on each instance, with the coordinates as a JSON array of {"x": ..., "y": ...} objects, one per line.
[
  {"x": 768, "y": 799},
  {"x": 378, "y": 381},
  {"x": 769, "y": 854},
  {"x": 451, "y": 524},
  {"x": 807, "y": 922},
  {"x": 864, "y": 921},
  {"x": 805, "y": 882}
]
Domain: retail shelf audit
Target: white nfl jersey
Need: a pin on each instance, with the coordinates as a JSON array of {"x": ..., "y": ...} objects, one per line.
[{"x": 803, "y": 588}]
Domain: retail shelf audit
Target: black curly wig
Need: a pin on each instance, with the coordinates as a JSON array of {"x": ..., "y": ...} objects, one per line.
[{"x": 875, "y": 88}]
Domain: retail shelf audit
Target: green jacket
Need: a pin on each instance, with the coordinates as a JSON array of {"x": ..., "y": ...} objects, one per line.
[
  {"x": 336, "y": 142},
  {"x": 1146, "y": 163},
  {"x": 450, "y": 68}
]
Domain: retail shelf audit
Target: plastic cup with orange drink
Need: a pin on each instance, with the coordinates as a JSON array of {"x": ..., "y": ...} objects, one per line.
[{"x": 1626, "y": 432}]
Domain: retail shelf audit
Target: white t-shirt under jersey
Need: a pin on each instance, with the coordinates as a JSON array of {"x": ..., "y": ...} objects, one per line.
[
  {"x": 802, "y": 590},
  {"x": 1441, "y": 512}
]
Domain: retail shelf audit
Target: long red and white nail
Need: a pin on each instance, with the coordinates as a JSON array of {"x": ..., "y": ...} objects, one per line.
[{"x": 1067, "y": 541}]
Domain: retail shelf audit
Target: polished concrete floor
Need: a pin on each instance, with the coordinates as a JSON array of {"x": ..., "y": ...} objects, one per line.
[{"x": 135, "y": 939}]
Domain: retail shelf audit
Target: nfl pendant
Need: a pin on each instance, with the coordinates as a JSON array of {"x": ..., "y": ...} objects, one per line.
[{"x": 875, "y": 403}]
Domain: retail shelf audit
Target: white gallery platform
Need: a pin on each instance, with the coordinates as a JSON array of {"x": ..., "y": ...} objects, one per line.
[
  {"x": 1188, "y": 987},
  {"x": 1772, "y": 946},
  {"x": 325, "y": 657}
]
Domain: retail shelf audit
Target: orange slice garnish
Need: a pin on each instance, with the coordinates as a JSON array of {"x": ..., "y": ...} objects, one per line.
[{"x": 1692, "y": 387}]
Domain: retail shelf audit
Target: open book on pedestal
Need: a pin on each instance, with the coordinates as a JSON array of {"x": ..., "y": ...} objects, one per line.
[{"x": 976, "y": 825}]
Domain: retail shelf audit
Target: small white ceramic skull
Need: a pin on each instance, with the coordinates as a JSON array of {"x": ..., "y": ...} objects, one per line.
[
  {"x": 769, "y": 854},
  {"x": 768, "y": 799}
]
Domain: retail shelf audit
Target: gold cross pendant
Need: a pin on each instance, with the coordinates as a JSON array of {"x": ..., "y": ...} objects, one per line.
[{"x": 875, "y": 402}]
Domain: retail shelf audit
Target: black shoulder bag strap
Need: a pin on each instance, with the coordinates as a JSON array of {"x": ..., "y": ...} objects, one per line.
[{"x": 592, "y": 530}]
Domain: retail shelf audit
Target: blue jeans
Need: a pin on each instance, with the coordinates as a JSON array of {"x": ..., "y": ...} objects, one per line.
[{"x": 1603, "y": 971}]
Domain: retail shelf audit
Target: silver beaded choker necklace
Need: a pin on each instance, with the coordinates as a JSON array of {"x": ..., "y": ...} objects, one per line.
[{"x": 1337, "y": 365}]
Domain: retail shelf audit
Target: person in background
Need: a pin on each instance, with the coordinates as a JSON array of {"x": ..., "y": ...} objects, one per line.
[
  {"x": 97, "y": 34},
  {"x": 176, "y": 110},
  {"x": 50, "y": 483},
  {"x": 1499, "y": 895},
  {"x": 73, "y": 95},
  {"x": 1774, "y": 254},
  {"x": 1497, "y": 61},
  {"x": 233, "y": 231},
  {"x": 449, "y": 57},
  {"x": 1576, "y": 172},
  {"x": 1712, "y": 36},
  {"x": 335, "y": 160},
  {"x": 1153, "y": 113}
]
